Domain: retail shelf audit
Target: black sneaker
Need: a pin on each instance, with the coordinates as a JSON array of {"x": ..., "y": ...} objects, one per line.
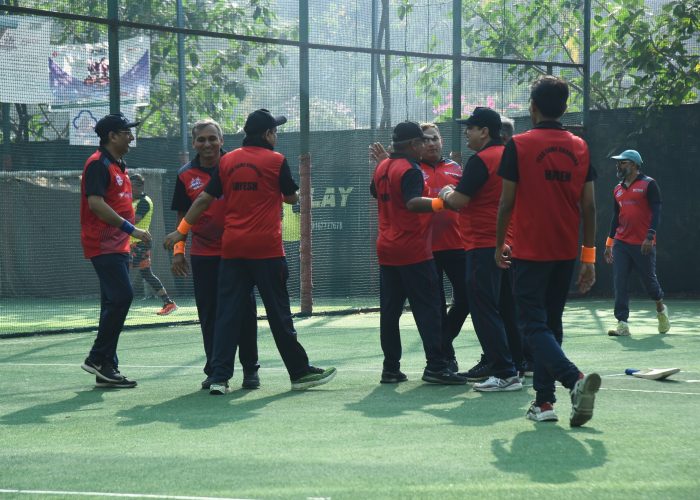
[
  {"x": 445, "y": 377},
  {"x": 105, "y": 371},
  {"x": 124, "y": 383},
  {"x": 479, "y": 372},
  {"x": 206, "y": 383},
  {"x": 389, "y": 377},
  {"x": 250, "y": 380},
  {"x": 452, "y": 365}
]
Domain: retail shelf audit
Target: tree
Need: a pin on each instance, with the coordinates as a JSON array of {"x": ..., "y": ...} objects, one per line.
[
  {"x": 218, "y": 70},
  {"x": 647, "y": 59}
]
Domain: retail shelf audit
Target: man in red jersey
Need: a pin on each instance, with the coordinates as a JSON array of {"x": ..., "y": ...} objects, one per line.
[
  {"x": 254, "y": 180},
  {"x": 448, "y": 250},
  {"x": 631, "y": 243},
  {"x": 477, "y": 196},
  {"x": 404, "y": 250},
  {"x": 547, "y": 184},
  {"x": 106, "y": 222},
  {"x": 205, "y": 251}
]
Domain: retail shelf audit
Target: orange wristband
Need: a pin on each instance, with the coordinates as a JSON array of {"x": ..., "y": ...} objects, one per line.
[
  {"x": 437, "y": 204},
  {"x": 588, "y": 255},
  {"x": 609, "y": 242},
  {"x": 179, "y": 248},
  {"x": 184, "y": 227}
]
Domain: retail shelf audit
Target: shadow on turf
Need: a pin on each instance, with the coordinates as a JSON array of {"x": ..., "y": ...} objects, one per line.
[
  {"x": 40, "y": 414},
  {"x": 388, "y": 401},
  {"x": 644, "y": 343},
  {"x": 189, "y": 411},
  {"x": 548, "y": 453}
]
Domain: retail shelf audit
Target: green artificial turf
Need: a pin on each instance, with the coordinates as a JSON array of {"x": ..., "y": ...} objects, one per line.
[{"x": 352, "y": 438}]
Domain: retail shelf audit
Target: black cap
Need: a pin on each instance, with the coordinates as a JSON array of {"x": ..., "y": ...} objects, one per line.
[
  {"x": 405, "y": 131},
  {"x": 483, "y": 117},
  {"x": 113, "y": 123},
  {"x": 261, "y": 120}
]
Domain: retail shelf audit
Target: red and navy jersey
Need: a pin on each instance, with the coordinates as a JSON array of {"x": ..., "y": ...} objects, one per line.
[
  {"x": 253, "y": 180},
  {"x": 550, "y": 166},
  {"x": 192, "y": 178},
  {"x": 446, "y": 234},
  {"x": 403, "y": 237},
  {"x": 104, "y": 176},
  {"x": 634, "y": 209},
  {"x": 483, "y": 186}
]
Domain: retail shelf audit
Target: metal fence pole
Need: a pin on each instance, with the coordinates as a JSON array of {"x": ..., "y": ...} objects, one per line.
[
  {"x": 182, "y": 91},
  {"x": 456, "y": 74},
  {"x": 113, "y": 41},
  {"x": 374, "y": 65},
  {"x": 586, "y": 63},
  {"x": 305, "y": 243}
]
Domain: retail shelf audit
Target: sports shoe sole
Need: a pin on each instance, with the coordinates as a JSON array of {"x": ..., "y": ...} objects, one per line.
[
  {"x": 615, "y": 333},
  {"x": 302, "y": 386},
  {"x": 436, "y": 380},
  {"x": 548, "y": 418},
  {"x": 508, "y": 388},
  {"x": 116, "y": 385},
  {"x": 583, "y": 411}
]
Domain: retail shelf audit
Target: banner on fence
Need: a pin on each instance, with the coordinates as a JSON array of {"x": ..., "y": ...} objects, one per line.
[
  {"x": 79, "y": 74},
  {"x": 24, "y": 50}
]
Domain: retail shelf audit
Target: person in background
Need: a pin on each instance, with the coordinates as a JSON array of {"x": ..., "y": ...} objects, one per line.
[
  {"x": 141, "y": 250},
  {"x": 631, "y": 242},
  {"x": 106, "y": 224}
]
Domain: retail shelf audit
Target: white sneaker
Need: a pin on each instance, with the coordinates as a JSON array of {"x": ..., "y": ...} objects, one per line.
[
  {"x": 664, "y": 323},
  {"x": 541, "y": 413},
  {"x": 622, "y": 329},
  {"x": 495, "y": 384},
  {"x": 218, "y": 388}
]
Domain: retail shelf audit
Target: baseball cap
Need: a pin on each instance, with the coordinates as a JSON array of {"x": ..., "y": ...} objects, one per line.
[
  {"x": 483, "y": 117},
  {"x": 405, "y": 131},
  {"x": 261, "y": 120},
  {"x": 629, "y": 154},
  {"x": 113, "y": 123}
]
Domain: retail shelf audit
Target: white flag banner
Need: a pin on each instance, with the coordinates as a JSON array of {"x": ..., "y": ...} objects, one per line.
[
  {"x": 24, "y": 50},
  {"x": 83, "y": 121},
  {"x": 79, "y": 74}
]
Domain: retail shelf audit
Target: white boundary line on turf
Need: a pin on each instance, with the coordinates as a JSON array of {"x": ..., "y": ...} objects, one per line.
[{"x": 117, "y": 495}]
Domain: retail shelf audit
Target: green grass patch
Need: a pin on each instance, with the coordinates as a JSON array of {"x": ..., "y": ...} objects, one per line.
[{"x": 352, "y": 438}]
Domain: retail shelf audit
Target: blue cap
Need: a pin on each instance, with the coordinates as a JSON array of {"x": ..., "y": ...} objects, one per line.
[{"x": 631, "y": 155}]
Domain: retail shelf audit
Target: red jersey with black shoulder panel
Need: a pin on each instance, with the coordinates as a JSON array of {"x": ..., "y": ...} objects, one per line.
[
  {"x": 634, "y": 209},
  {"x": 104, "y": 176},
  {"x": 550, "y": 166},
  {"x": 478, "y": 218},
  {"x": 404, "y": 237},
  {"x": 446, "y": 233},
  {"x": 249, "y": 179},
  {"x": 192, "y": 178}
]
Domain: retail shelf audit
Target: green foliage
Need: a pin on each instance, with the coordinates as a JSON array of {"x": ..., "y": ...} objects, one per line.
[
  {"x": 646, "y": 58},
  {"x": 217, "y": 70}
]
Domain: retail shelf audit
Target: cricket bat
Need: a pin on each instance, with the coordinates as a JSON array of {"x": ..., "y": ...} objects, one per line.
[{"x": 652, "y": 373}]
